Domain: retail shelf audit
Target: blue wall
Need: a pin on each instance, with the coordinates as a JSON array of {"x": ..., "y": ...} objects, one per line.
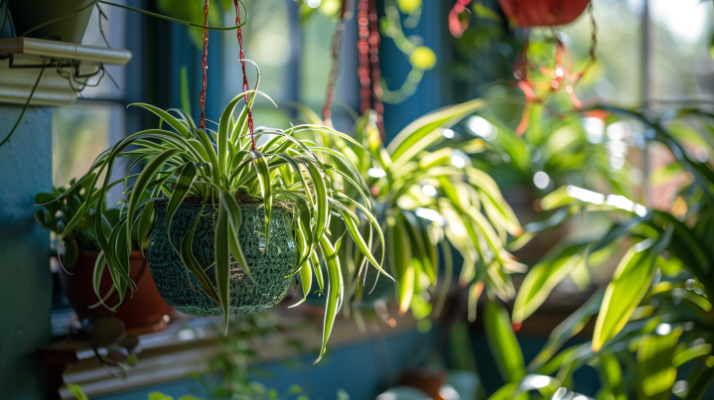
[{"x": 26, "y": 284}]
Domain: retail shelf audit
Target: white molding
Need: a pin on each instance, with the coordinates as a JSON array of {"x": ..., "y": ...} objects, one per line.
[{"x": 53, "y": 90}]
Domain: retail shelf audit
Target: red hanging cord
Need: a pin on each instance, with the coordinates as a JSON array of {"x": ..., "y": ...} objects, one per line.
[
  {"x": 374, "y": 64},
  {"x": 335, "y": 53},
  {"x": 245, "y": 77},
  {"x": 204, "y": 65},
  {"x": 363, "y": 48}
]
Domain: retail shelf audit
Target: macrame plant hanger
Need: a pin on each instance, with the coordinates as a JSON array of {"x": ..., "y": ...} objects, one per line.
[
  {"x": 245, "y": 87},
  {"x": 561, "y": 75},
  {"x": 204, "y": 64},
  {"x": 369, "y": 73}
]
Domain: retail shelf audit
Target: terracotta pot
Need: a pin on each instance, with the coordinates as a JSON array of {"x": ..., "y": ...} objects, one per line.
[
  {"x": 543, "y": 12},
  {"x": 142, "y": 312},
  {"x": 29, "y": 14},
  {"x": 429, "y": 382}
]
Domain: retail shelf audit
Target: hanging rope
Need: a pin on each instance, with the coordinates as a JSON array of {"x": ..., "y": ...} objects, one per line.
[
  {"x": 374, "y": 64},
  {"x": 204, "y": 66},
  {"x": 363, "y": 49},
  {"x": 245, "y": 77},
  {"x": 562, "y": 74},
  {"x": 369, "y": 73},
  {"x": 335, "y": 53}
]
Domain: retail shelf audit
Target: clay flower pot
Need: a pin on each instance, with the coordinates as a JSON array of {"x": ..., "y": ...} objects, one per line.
[
  {"x": 543, "y": 12},
  {"x": 142, "y": 312},
  {"x": 28, "y": 14},
  {"x": 272, "y": 268}
]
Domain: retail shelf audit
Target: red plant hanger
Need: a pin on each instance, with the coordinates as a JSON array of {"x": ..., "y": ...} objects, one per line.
[
  {"x": 204, "y": 65},
  {"x": 561, "y": 75}
]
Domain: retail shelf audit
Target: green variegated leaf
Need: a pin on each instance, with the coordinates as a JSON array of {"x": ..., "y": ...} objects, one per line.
[
  {"x": 503, "y": 343},
  {"x": 629, "y": 284},
  {"x": 335, "y": 291},
  {"x": 261, "y": 169},
  {"x": 180, "y": 191}
]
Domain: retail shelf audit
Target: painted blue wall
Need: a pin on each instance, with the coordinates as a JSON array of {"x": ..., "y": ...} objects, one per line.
[{"x": 26, "y": 284}]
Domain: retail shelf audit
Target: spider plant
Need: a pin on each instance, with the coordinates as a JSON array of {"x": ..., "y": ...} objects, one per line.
[
  {"x": 212, "y": 167},
  {"x": 654, "y": 319},
  {"x": 431, "y": 197}
]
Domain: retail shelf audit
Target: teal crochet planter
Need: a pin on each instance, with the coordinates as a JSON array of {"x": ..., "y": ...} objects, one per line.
[{"x": 272, "y": 267}]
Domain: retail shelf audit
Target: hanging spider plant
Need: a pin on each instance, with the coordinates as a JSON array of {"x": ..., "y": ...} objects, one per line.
[
  {"x": 207, "y": 188},
  {"x": 430, "y": 196}
]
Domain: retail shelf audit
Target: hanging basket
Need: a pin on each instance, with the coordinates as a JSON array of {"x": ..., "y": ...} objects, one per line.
[
  {"x": 272, "y": 267},
  {"x": 543, "y": 12},
  {"x": 28, "y": 14}
]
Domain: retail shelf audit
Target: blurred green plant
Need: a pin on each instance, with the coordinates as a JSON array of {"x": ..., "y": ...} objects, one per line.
[
  {"x": 429, "y": 197},
  {"x": 59, "y": 208},
  {"x": 555, "y": 150},
  {"x": 421, "y": 57},
  {"x": 654, "y": 318}
]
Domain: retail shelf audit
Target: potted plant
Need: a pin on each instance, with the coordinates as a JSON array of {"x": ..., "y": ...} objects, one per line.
[
  {"x": 145, "y": 312},
  {"x": 235, "y": 219},
  {"x": 64, "y": 20},
  {"x": 430, "y": 197}
]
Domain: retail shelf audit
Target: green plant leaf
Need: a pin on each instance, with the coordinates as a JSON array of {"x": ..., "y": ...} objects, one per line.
[
  {"x": 170, "y": 119},
  {"x": 422, "y": 133},
  {"x": 400, "y": 257},
  {"x": 233, "y": 214},
  {"x": 543, "y": 278},
  {"x": 628, "y": 286},
  {"x": 140, "y": 185},
  {"x": 655, "y": 372},
  {"x": 223, "y": 264},
  {"x": 572, "y": 325},
  {"x": 185, "y": 180},
  {"x": 191, "y": 263},
  {"x": 77, "y": 391},
  {"x": 503, "y": 343},
  {"x": 335, "y": 291},
  {"x": 261, "y": 169},
  {"x": 691, "y": 353}
]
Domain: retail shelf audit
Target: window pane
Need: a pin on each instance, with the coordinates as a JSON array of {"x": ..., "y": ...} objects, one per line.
[
  {"x": 315, "y": 58},
  {"x": 682, "y": 66},
  {"x": 114, "y": 27},
  {"x": 616, "y": 77},
  {"x": 267, "y": 41},
  {"x": 80, "y": 132}
]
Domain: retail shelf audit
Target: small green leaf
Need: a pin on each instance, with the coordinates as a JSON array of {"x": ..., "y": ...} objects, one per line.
[
  {"x": 655, "y": 372},
  {"x": 335, "y": 291},
  {"x": 261, "y": 169},
  {"x": 503, "y": 343},
  {"x": 77, "y": 391},
  {"x": 233, "y": 214},
  {"x": 629, "y": 284},
  {"x": 191, "y": 263},
  {"x": 183, "y": 185},
  {"x": 543, "y": 278},
  {"x": 223, "y": 264}
]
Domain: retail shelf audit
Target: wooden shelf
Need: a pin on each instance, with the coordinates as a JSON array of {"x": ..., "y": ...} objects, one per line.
[{"x": 188, "y": 344}]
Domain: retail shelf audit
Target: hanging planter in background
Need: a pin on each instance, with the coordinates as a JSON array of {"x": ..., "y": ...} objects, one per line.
[
  {"x": 66, "y": 20},
  {"x": 527, "y": 13},
  {"x": 272, "y": 268}
]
